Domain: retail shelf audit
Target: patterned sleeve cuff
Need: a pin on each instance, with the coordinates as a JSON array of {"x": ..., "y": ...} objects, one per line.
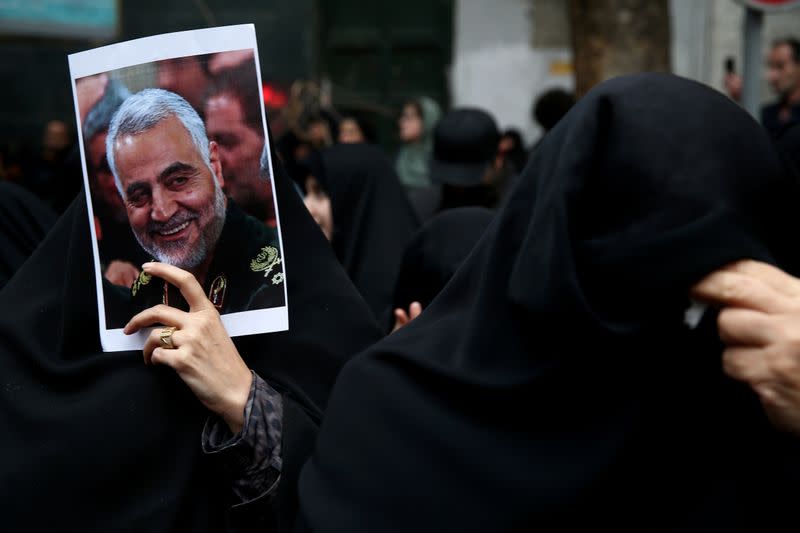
[{"x": 252, "y": 457}]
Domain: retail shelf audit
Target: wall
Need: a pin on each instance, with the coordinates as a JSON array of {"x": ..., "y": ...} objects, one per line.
[{"x": 500, "y": 65}]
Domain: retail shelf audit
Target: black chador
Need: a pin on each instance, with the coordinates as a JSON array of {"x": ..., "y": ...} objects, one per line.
[
  {"x": 94, "y": 441},
  {"x": 553, "y": 385}
]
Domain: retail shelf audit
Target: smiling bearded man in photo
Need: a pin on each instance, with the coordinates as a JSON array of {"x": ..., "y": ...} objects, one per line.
[{"x": 170, "y": 178}]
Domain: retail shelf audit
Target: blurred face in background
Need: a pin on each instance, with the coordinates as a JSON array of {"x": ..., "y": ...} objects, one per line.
[
  {"x": 102, "y": 177},
  {"x": 783, "y": 71},
  {"x": 184, "y": 76},
  {"x": 319, "y": 133},
  {"x": 410, "y": 124},
  {"x": 350, "y": 132},
  {"x": 56, "y": 139},
  {"x": 318, "y": 204},
  {"x": 239, "y": 152}
]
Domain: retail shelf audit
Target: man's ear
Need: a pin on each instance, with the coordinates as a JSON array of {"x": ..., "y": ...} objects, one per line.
[{"x": 216, "y": 166}]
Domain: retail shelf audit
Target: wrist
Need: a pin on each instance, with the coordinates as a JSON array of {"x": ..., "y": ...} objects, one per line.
[{"x": 233, "y": 413}]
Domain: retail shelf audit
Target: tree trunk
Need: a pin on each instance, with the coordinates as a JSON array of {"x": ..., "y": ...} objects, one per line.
[{"x": 613, "y": 37}]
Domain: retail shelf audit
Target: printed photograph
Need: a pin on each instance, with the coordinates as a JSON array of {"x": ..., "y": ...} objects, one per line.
[{"x": 178, "y": 170}]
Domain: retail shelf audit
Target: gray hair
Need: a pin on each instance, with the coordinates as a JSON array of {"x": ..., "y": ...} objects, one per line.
[
  {"x": 99, "y": 117},
  {"x": 143, "y": 111}
]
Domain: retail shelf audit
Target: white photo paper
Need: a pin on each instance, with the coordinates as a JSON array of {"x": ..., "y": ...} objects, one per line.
[{"x": 177, "y": 169}]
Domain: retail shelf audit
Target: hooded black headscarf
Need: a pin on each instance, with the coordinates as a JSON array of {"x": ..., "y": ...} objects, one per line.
[
  {"x": 24, "y": 221},
  {"x": 372, "y": 219},
  {"x": 95, "y": 441},
  {"x": 553, "y": 384},
  {"x": 436, "y": 252}
]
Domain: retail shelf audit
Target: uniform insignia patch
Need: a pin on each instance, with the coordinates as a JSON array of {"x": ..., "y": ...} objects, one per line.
[
  {"x": 143, "y": 279},
  {"x": 266, "y": 260},
  {"x": 217, "y": 291}
]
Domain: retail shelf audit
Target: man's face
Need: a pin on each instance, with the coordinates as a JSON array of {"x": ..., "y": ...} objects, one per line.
[
  {"x": 175, "y": 207},
  {"x": 783, "y": 72},
  {"x": 103, "y": 179},
  {"x": 239, "y": 152}
]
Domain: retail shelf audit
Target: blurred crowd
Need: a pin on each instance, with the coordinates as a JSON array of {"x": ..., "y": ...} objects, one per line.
[
  {"x": 439, "y": 159},
  {"x": 445, "y": 159}
]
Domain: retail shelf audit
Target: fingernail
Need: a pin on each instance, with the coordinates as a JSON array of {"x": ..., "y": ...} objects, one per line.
[{"x": 147, "y": 265}]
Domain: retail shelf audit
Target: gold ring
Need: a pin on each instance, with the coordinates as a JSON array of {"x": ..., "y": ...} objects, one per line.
[{"x": 166, "y": 337}]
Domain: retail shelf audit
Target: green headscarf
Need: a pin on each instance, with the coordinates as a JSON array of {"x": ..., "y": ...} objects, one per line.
[{"x": 413, "y": 159}]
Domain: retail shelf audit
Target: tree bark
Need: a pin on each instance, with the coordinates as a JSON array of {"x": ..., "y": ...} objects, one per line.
[{"x": 614, "y": 37}]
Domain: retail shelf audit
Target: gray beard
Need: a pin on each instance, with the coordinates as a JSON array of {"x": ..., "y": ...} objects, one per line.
[{"x": 206, "y": 243}]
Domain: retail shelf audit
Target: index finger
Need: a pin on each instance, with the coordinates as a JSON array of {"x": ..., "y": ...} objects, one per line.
[
  {"x": 769, "y": 274},
  {"x": 185, "y": 282},
  {"x": 728, "y": 288}
]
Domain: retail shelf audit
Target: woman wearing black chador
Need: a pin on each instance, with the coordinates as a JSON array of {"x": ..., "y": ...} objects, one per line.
[{"x": 554, "y": 384}]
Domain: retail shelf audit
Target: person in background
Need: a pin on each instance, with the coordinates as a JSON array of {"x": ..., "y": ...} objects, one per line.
[
  {"x": 55, "y": 177},
  {"x": 234, "y": 121},
  {"x": 550, "y": 108},
  {"x": 120, "y": 254},
  {"x": 352, "y": 192},
  {"x": 309, "y": 116},
  {"x": 511, "y": 151},
  {"x": 783, "y": 76},
  {"x": 417, "y": 121},
  {"x": 321, "y": 130},
  {"x": 354, "y": 129},
  {"x": 432, "y": 258},
  {"x": 462, "y": 168},
  {"x": 56, "y": 140}
]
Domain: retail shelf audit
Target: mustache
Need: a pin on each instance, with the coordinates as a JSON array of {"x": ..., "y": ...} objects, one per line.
[{"x": 172, "y": 223}]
